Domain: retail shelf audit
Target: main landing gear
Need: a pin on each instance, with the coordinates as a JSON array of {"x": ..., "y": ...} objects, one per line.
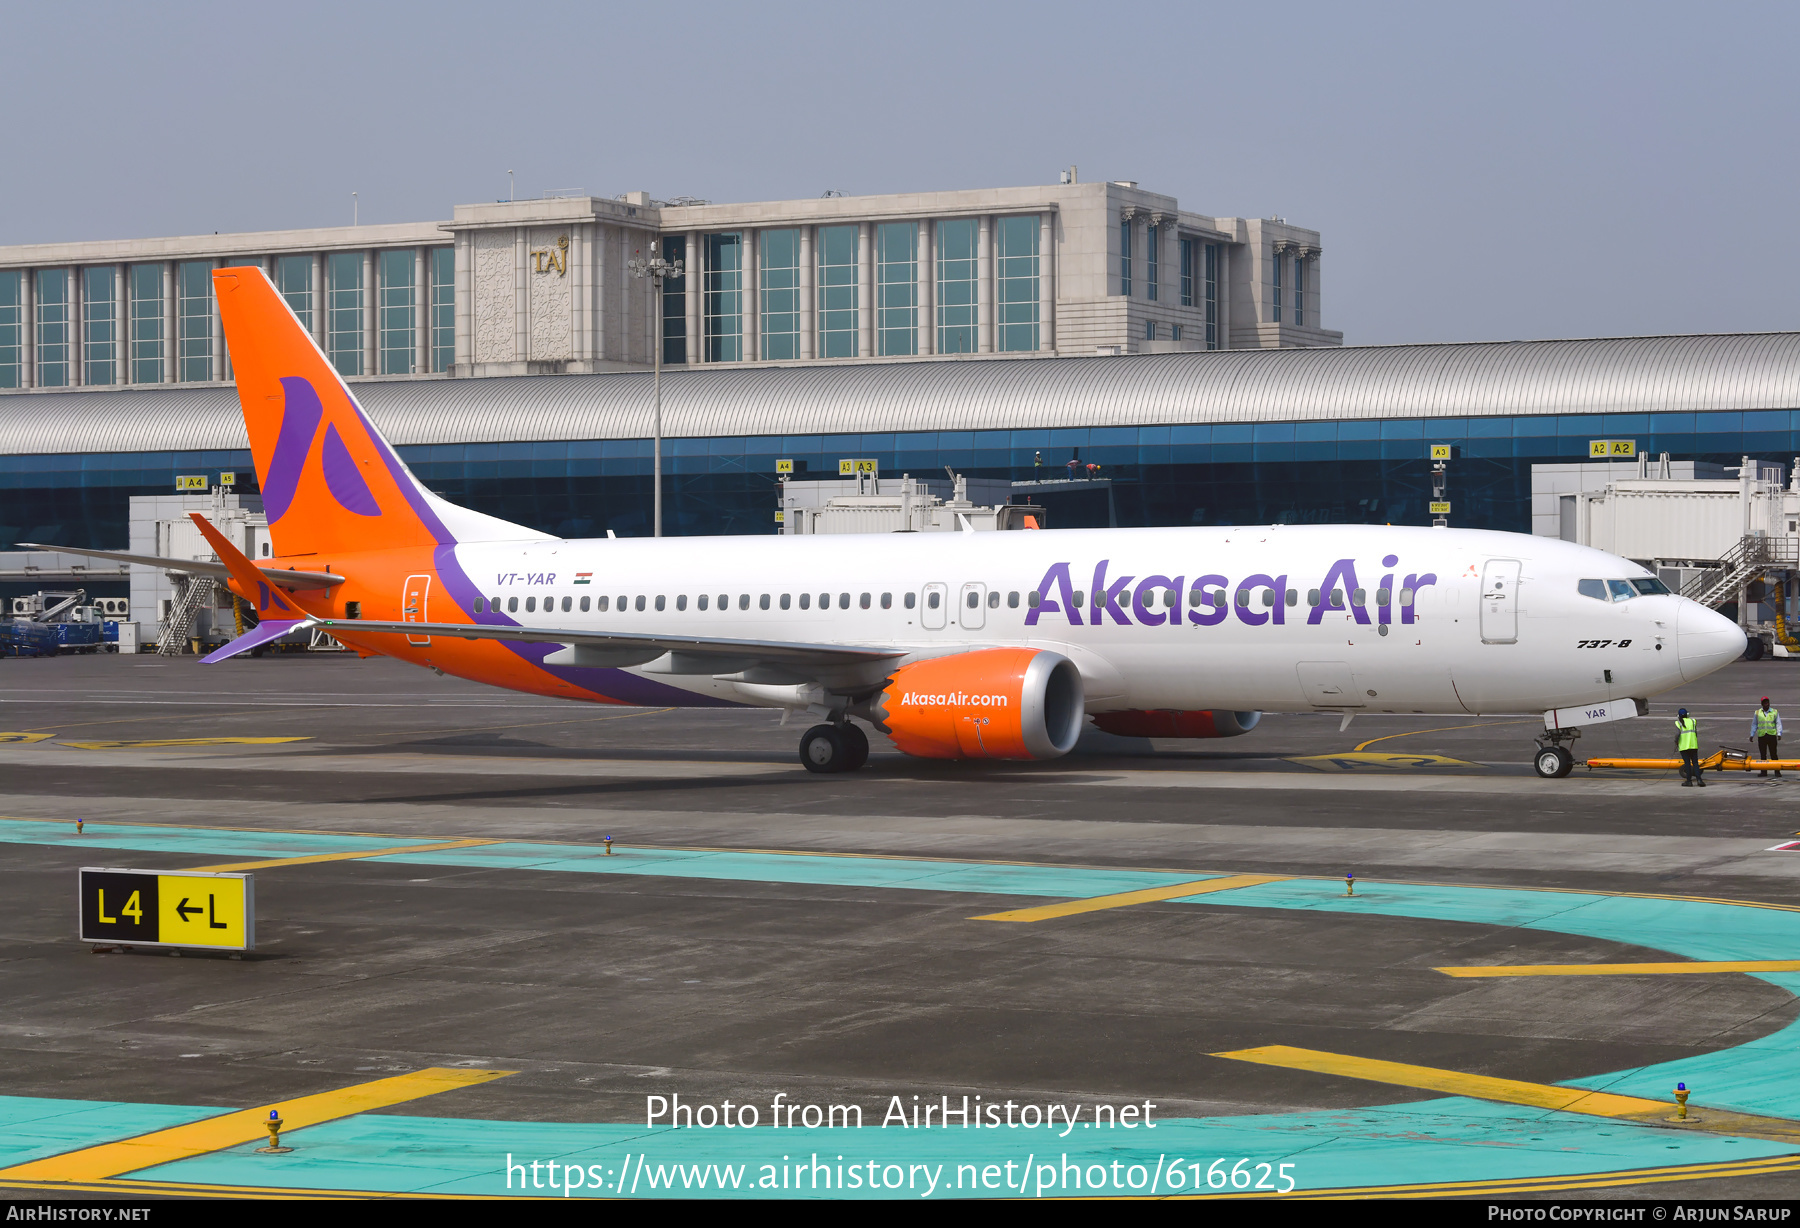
[
  {"x": 834, "y": 748},
  {"x": 1553, "y": 760}
]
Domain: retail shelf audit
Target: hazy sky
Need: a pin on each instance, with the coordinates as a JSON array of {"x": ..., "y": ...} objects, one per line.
[{"x": 1476, "y": 171}]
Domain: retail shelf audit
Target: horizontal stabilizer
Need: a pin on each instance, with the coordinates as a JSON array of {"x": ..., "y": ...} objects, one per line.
[
  {"x": 269, "y": 629},
  {"x": 731, "y": 654},
  {"x": 198, "y": 567}
]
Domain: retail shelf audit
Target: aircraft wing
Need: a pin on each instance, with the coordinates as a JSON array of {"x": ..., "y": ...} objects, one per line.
[
  {"x": 286, "y": 579},
  {"x": 763, "y": 660}
]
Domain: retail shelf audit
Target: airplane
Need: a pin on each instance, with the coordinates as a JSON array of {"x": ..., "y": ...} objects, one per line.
[{"x": 966, "y": 645}]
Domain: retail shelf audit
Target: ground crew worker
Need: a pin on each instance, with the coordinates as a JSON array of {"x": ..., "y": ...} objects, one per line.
[
  {"x": 1687, "y": 742},
  {"x": 1766, "y": 728}
]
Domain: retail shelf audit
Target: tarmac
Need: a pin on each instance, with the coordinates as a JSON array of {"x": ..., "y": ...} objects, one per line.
[{"x": 451, "y": 968}]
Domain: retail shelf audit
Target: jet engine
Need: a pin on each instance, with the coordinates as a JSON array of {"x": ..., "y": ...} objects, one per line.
[
  {"x": 994, "y": 703},
  {"x": 1168, "y": 723}
]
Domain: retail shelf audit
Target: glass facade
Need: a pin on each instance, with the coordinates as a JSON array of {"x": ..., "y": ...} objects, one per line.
[
  {"x": 12, "y": 328},
  {"x": 294, "y": 278},
  {"x": 1152, "y": 257},
  {"x": 958, "y": 301},
  {"x": 897, "y": 288},
  {"x": 1209, "y": 284},
  {"x": 675, "y": 338},
  {"x": 100, "y": 325},
  {"x": 1016, "y": 284},
  {"x": 722, "y": 302},
  {"x": 55, "y": 328},
  {"x": 1299, "y": 290},
  {"x": 1275, "y": 287},
  {"x": 344, "y": 312},
  {"x": 1364, "y": 471},
  {"x": 1187, "y": 272},
  {"x": 1125, "y": 258},
  {"x": 194, "y": 319},
  {"x": 145, "y": 283},
  {"x": 837, "y": 291},
  {"x": 780, "y": 293},
  {"x": 443, "y": 308},
  {"x": 396, "y": 343}
]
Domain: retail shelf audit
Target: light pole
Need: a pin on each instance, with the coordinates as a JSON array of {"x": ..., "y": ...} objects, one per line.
[{"x": 656, "y": 269}]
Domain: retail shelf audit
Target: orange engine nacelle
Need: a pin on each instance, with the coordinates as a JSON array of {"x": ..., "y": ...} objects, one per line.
[
  {"x": 996, "y": 703},
  {"x": 1168, "y": 723}
]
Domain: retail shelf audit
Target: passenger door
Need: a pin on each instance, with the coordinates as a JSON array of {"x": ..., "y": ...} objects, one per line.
[
  {"x": 1500, "y": 602},
  {"x": 936, "y": 597},
  {"x": 413, "y": 602},
  {"x": 972, "y": 607}
]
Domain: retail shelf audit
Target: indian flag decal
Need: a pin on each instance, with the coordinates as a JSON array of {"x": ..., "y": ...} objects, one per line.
[{"x": 584, "y": 577}]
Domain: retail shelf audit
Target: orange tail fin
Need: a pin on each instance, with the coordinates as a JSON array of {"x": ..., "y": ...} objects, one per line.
[{"x": 330, "y": 483}]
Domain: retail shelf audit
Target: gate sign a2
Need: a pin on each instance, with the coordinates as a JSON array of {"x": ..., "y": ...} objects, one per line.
[{"x": 142, "y": 908}]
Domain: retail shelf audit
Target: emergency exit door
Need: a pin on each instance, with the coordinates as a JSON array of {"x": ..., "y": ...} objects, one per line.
[
  {"x": 413, "y": 599},
  {"x": 1500, "y": 602}
]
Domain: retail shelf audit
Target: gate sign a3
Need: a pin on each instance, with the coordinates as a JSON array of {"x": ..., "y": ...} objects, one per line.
[{"x": 142, "y": 908}]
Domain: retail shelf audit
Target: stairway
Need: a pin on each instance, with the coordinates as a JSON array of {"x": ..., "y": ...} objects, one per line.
[
  {"x": 1743, "y": 563},
  {"x": 191, "y": 596}
]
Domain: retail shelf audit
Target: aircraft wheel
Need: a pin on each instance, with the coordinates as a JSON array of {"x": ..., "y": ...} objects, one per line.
[
  {"x": 1553, "y": 762},
  {"x": 856, "y": 746},
  {"x": 1753, "y": 648},
  {"x": 823, "y": 748}
]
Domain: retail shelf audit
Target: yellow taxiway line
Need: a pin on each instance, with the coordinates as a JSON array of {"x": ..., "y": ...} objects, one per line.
[
  {"x": 245, "y": 1126},
  {"x": 236, "y": 866},
  {"x": 159, "y": 743},
  {"x": 1454, "y": 1082},
  {"x": 1685, "y": 966},
  {"x": 1125, "y": 899}
]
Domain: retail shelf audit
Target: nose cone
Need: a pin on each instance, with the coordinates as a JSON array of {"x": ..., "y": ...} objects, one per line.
[{"x": 1705, "y": 640}]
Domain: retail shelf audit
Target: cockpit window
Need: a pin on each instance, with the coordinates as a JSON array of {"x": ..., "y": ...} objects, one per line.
[
  {"x": 1621, "y": 590},
  {"x": 1651, "y": 588},
  {"x": 1593, "y": 588}
]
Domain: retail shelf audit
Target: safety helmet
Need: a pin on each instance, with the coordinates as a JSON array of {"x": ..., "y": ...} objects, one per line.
[{"x": 1683, "y": 712}]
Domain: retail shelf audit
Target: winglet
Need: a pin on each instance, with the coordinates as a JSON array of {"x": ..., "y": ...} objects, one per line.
[
  {"x": 250, "y": 581},
  {"x": 265, "y": 631}
]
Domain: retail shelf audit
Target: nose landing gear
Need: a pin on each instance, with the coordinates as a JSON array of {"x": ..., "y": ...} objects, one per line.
[
  {"x": 1553, "y": 760},
  {"x": 834, "y": 748}
]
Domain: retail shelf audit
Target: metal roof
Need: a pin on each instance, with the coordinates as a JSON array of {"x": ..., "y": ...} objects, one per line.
[{"x": 1732, "y": 371}]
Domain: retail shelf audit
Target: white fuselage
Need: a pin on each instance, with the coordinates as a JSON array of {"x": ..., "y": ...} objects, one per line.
[{"x": 1460, "y": 621}]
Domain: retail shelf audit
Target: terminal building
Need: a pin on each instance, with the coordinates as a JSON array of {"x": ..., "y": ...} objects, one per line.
[{"x": 1093, "y": 347}]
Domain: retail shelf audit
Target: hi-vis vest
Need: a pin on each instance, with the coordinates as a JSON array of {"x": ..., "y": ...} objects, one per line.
[
  {"x": 1689, "y": 738},
  {"x": 1767, "y": 722}
]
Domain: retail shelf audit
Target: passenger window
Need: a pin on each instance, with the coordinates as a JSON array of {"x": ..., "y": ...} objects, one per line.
[
  {"x": 584, "y": 603},
  {"x": 1243, "y": 597},
  {"x": 681, "y": 602},
  {"x": 994, "y": 600},
  {"x": 931, "y": 600},
  {"x": 787, "y": 600},
  {"x": 530, "y": 605},
  {"x": 640, "y": 603},
  {"x": 1080, "y": 599},
  {"x": 1359, "y": 597},
  {"x": 602, "y": 604},
  {"x": 1383, "y": 596},
  {"x": 1269, "y": 597},
  {"x": 1406, "y": 596},
  {"x": 843, "y": 601},
  {"x": 743, "y": 601},
  {"x": 1194, "y": 597},
  {"x": 806, "y": 601},
  {"x": 1034, "y": 599},
  {"x": 703, "y": 601},
  {"x": 1336, "y": 600},
  {"x": 512, "y": 605},
  {"x": 568, "y": 604},
  {"x": 911, "y": 600},
  {"x": 974, "y": 599},
  {"x": 1312, "y": 596},
  {"x": 660, "y": 601},
  {"x": 762, "y": 603},
  {"x": 724, "y": 601},
  {"x": 1012, "y": 600},
  {"x": 1650, "y": 588},
  {"x": 887, "y": 601},
  {"x": 1592, "y": 588},
  {"x": 1293, "y": 596},
  {"x": 1621, "y": 590},
  {"x": 1168, "y": 598},
  {"x": 480, "y": 604},
  {"x": 863, "y": 601}
]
